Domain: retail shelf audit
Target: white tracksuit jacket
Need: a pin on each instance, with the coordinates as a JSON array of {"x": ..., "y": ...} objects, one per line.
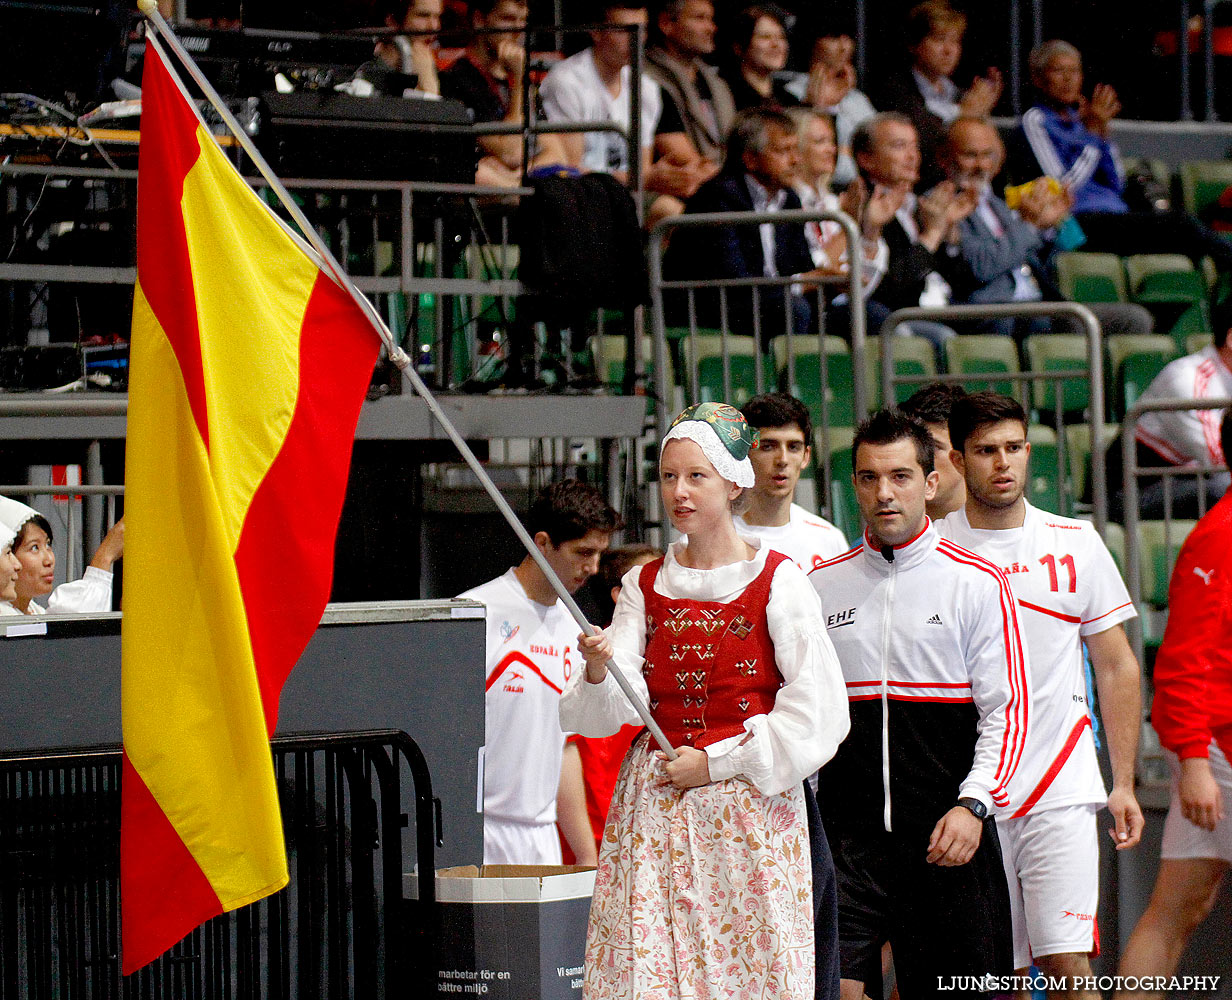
[{"x": 936, "y": 680}]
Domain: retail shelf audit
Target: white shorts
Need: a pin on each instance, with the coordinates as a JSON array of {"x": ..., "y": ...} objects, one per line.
[
  {"x": 1182, "y": 839},
  {"x": 1051, "y": 862},
  {"x": 508, "y": 842}
]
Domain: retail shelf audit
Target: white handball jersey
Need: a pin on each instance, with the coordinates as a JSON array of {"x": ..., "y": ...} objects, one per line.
[
  {"x": 1066, "y": 586},
  {"x": 529, "y": 659},
  {"x": 1187, "y": 437},
  {"x": 806, "y": 539}
]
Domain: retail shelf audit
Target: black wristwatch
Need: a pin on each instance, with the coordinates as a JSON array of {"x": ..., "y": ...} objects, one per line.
[{"x": 974, "y": 806}]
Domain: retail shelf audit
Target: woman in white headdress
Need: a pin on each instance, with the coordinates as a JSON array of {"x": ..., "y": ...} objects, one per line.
[
  {"x": 37, "y": 561},
  {"x": 704, "y": 887}
]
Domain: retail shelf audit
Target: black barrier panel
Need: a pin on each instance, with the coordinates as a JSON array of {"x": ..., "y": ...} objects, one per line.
[{"x": 339, "y": 929}]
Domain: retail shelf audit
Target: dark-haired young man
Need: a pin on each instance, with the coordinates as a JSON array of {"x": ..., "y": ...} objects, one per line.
[
  {"x": 927, "y": 636},
  {"x": 781, "y": 454},
  {"x": 1069, "y": 593},
  {"x": 932, "y": 404},
  {"x": 529, "y": 658},
  {"x": 488, "y": 80}
]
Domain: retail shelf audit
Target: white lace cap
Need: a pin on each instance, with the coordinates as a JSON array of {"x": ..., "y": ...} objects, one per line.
[
  {"x": 14, "y": 514},
  {"x": 725, "y": 463}
]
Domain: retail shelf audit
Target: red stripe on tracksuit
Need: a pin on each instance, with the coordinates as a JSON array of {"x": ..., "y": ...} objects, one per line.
[{"x": 1017, "y": 711}]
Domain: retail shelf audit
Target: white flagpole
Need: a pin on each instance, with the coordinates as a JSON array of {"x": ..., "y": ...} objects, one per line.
[{"x": 397, "y": 355}]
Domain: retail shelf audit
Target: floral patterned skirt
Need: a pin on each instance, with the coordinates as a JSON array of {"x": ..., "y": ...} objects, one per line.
[{"x": 704, "y": 894}]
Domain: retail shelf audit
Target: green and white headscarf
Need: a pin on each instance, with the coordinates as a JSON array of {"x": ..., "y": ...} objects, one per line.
[{"x": 724, "y": 437}]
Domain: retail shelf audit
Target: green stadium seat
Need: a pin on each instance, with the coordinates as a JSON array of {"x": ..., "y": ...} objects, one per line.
[
  {"x": 912, "y": 356},
  {"x": 608, "y": 351},
  {"x": 1091, "y": 277},
  {"x": 800, "y": 375},
  {"x": 1176, "y": 294},
  {"x": 984, "y": 354},
  {"x": 1047, "y": 488},
  {"x": 1053, "y": 352},
  {"x": 1194, "y": 342},
  {"x": 744, "y": 355},
  {"x": 1202, "y": 183},
  {"x": 1078, "y": 448},
  {"x": 1158, "y": 549}
]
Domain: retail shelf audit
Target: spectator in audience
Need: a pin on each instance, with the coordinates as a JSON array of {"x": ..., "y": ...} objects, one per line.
[
  {"x": 697, "y": 105},
  {"x": 760, "y": 46},
  {"x": 827, "y": 240},
  {"x": 488, "y": 78},
  {"x": 413, "y": 53},
  {"x": 758, "y": 173},
  {"x": 932, "y": 404},
  {"x": 32, "y": 547},
  {"x": 530, "y": 780},
  {"x": 1066, "y": 136},
  {"x": 594, "y": 85},
  {"x": 1192, "y": 712},
  {"x": 782, "y": 452},
  {"x": 926, "y": 94},
  {"x": 925, "y": 257},
  {"x": 601, "y": 756},
  {"x": 1009, "y": 253},
  {"x": 830, "y": 86},
  {"x": 1181, "y": 437}
]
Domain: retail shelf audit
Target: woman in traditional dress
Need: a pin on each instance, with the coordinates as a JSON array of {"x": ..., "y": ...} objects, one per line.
[{"x": 704, "y": 887}]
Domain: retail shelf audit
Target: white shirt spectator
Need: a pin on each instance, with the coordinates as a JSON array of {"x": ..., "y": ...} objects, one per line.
[
  {"x": 1187, "y": 437},
  {"x": 573, "y": 92}
]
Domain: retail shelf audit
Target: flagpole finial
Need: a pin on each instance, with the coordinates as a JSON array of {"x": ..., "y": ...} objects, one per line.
[{"x": 147, "y": 7}]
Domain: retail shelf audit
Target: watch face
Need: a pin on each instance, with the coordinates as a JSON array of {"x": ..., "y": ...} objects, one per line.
[{"x": 975, "y": 807}]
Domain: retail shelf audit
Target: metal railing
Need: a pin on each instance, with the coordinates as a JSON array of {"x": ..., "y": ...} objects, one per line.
[
  {"x": 1132, "y": 472},
  {"x": 755, "y": 287},
  {"x": 1094, "y": 373},
  {"x": 340, "y": 928}
]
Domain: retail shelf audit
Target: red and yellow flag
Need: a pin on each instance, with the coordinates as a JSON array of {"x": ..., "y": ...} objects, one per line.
[{"x": 249, "y": 366}]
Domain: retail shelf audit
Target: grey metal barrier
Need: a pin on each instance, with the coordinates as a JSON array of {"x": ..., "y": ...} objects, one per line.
[
  {"x": 756, "y": 286},
  {"x": 1132, "y": 472},
  {"x": 1094, "y": 372}
]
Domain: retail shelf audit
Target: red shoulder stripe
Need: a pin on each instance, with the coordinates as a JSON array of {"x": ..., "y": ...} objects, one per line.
[{"x": 1017, "y": 710}]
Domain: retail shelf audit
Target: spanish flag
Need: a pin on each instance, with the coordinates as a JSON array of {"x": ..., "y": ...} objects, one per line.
[{"x": 248, "y": 368}]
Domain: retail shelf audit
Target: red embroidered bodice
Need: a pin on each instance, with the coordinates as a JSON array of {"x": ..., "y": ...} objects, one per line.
[{"x": 709, "y": 666}]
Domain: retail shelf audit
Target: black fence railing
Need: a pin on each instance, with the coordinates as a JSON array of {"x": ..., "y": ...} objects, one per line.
[{"x": 340, "y": 929}]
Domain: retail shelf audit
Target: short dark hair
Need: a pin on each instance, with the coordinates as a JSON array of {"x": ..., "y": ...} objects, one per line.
[
  {"x": 979, "y": 409},
  {"x": 615, "y": 563},
  {"x": 39, "y": 522},
  {"x": 932, "y": 403},
  {"x": 605, "y": 7},
  {"x": 746, "y": 22},
  {"x": 569, "y": 510},
  {"x": 750, "y": 133},
  {"x": 778, "y": 409},
  {"x": 1225, "y": 436},
  {"x": 930, "y": 17},
  {"x": 891, "y": 425}
]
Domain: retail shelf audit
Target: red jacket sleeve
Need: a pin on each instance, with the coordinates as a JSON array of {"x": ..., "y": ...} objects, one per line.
[{"x": 1197, "y": 602}]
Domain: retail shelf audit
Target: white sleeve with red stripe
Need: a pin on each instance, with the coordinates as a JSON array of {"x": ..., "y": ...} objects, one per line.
[
  {"x": 997, "y": 666},
  {"x": 1108, "y": 602}
]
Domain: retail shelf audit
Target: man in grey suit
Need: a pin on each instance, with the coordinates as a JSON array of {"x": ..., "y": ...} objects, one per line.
[{"x": 1007, "y": 253}]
